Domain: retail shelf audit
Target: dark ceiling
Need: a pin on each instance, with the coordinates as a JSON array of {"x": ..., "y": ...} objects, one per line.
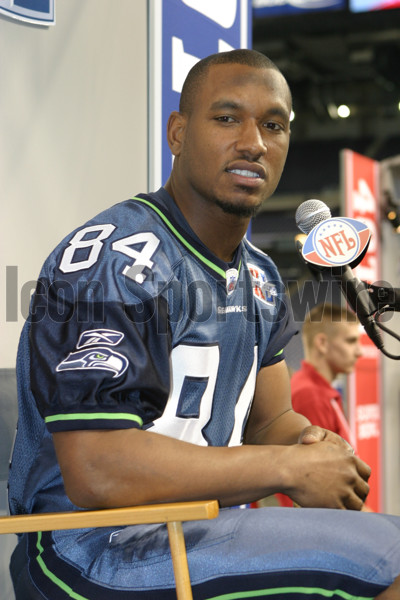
[
  {"x": 338, "y": 57},
  {"x": 328, "y": 57}
]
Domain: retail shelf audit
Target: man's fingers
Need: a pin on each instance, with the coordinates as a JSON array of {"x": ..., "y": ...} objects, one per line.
[
  {"x": 362, "y": 490},
  {"x": 363, "y": 469},
  {"x": 354, "y": 503},
  {"x": 312, "y": 434},
  {"x": 355, "y": 498}
]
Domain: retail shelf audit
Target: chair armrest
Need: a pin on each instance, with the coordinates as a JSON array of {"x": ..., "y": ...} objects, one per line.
[
  {"x": 110, "y": 517},
  {"x": 172, "y": 514}
]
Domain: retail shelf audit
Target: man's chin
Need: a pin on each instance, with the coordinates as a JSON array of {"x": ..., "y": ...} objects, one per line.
[{"x": 239, "y": 209}]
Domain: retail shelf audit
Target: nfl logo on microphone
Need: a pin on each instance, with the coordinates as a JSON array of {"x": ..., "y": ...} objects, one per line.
[{"x": 336, "y": 242}]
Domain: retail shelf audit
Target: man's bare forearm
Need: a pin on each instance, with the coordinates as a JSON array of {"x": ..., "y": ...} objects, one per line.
[
  {"x": 285, "y": 429},
  {"x": 129, "y": 467},
  {"x": 119, "y": 468}
]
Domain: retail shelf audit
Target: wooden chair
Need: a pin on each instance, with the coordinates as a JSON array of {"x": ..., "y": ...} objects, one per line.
[{"x": 171, "y": 514}]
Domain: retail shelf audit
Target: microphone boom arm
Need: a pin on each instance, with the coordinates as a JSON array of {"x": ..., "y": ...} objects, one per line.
[
  {"x": 384, "y": 296},
  {"x": 379, "y": 298},
  {"x": 357, "y": 295}
]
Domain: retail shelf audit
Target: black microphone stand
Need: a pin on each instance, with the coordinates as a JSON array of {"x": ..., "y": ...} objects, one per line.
[{"x": 385, "y": 299}]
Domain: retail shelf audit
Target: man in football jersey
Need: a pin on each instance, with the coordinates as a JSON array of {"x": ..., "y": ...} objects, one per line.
[{"x": 161, "y": 377}]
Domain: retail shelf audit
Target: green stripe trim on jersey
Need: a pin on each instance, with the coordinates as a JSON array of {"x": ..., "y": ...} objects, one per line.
[
  {"x": 205, "y": 260},
  {"x": 56, "y": 580},
  {"x": 94, "y": 417},
  {"x": 306, "y": 591}
]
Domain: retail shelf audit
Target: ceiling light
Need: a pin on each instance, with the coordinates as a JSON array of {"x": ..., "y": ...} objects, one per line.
[{"x": 343, "y": 111}]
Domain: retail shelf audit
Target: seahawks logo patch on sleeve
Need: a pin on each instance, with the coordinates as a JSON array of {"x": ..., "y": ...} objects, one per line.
[{"x": 99, "y": 357}]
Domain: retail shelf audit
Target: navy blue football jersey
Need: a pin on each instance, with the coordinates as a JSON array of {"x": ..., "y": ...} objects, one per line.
[{"x": 135, "y": 323}]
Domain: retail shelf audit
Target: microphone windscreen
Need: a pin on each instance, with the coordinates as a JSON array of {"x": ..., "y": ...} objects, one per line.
[{"x": 310, "y": 213}]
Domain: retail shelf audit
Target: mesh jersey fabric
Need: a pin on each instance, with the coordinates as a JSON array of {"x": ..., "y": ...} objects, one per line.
[{"x": 134, "y": 323}]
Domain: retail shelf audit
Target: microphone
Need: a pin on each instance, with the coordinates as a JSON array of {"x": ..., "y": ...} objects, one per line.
[
  {"x": 308, "y": 215},
  {"x": 311, "y": 213},
  {"x": 337, "y": 244}
]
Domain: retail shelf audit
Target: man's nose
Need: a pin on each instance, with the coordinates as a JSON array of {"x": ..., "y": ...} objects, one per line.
[{"x": 251, "y": 140}]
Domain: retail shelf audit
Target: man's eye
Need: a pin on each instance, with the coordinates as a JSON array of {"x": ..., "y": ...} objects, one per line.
[
  {"x": 225, "y": 119},
  {"x": 273, "y": 126}
]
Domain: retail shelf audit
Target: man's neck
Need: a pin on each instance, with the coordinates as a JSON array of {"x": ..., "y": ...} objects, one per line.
[{"x": 219, "y": 231}]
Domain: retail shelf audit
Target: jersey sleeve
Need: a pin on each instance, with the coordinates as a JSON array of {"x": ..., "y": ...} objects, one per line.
[
  {"x": 273, "y": 311},
  {"x": 283, "y": 329},
  {"x": 100, "y": 343}
]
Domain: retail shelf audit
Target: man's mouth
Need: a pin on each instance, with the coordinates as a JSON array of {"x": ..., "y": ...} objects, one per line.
[{"x": 244, "y": 173}]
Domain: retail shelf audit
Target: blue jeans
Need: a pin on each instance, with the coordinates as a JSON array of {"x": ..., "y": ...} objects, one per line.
[{"x": 280, "y": 553}]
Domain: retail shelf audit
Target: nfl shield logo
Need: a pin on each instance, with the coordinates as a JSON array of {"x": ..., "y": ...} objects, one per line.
[
  {"x": 262, "y": 288},
  {"x": 231, "y": 280}
]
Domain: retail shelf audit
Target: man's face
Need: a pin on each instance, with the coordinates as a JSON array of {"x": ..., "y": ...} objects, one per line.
[
  {"x": 343, "y": 347},
  {"x": 236, "y": 137}
]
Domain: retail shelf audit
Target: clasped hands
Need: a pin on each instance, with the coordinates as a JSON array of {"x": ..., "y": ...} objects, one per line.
[{"x": 331, "y": 475}]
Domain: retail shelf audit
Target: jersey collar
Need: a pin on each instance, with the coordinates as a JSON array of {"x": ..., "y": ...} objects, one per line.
[{"x": 164, "y": 206}]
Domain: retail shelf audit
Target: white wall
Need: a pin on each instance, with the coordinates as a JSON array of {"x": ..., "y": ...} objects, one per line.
[{"x": 73, "y": 123}]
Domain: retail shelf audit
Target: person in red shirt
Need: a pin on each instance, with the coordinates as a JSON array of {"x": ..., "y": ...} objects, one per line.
[{"x": 331, "y": 340}]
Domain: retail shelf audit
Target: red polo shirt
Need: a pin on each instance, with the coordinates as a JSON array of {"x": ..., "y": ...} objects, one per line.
[{"x": 316, "y": 399}]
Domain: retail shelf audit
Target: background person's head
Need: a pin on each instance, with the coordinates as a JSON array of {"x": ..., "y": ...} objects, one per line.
[{"x": 331, "y": 339}]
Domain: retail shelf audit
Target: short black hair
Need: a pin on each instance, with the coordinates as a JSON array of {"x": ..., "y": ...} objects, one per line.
[{"x": 198, "y": 72}]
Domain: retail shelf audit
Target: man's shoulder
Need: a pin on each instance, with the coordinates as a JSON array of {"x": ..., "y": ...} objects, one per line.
[
  {"x": 127, "y": 242},
  {"x": 256, "y": 254},
  {"x": 255, "y": 258},
  {"x": 130, "y": 214}
]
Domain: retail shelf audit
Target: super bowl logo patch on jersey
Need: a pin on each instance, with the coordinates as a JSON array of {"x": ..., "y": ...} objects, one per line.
[
  {"x": 262, "y": 288},
  {"x": 98, "y": 357},
  {"x": 231, "y": 280}
]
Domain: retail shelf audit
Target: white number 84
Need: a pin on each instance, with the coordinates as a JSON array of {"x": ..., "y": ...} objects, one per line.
[{"x": 147, "y": 241}]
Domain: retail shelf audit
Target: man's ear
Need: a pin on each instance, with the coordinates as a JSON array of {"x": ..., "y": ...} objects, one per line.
[
  {"x": 321, "y": 342},
  {"x": 176, "y": 131}
]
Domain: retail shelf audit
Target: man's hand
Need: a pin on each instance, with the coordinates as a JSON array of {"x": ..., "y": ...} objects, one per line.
[
  {"x": 329, "y": 474},
  {"x": 313, "y": 434}
]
